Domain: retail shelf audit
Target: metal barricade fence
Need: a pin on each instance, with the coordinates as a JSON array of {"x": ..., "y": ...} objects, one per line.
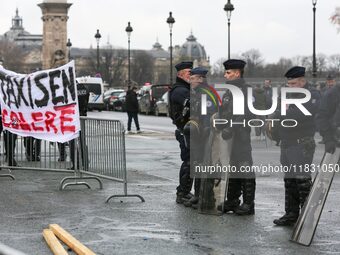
[
  {"x": 100, "y": 151},
  {"x": 103, "y": 147}
]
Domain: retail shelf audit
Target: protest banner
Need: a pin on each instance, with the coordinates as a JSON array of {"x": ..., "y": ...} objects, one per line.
[{"x": 43, "y": 104}]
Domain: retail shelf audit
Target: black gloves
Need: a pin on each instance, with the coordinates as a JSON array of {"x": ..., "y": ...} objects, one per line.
[{"x": 330, "y": 146}]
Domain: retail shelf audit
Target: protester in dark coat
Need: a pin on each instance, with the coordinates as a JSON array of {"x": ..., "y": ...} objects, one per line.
[{"x": 131, "y": 103}]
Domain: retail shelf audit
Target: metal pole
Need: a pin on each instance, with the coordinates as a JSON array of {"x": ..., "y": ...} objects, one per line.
[
  {"x": 171, "y": 56},
  {"x": 314, "y": 72},
  {"x": 228, "y": 38},
  {"x": 97, "y": 57},
  {"x": 129, "y": 80}
]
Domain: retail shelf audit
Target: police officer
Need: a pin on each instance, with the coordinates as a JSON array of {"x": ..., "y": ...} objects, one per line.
[
  {"x": 297, "y": 147},
  {"x": 179, "y": 98},
  {"x": 83, "y": 99},
  {"x": 328, "y": 118},
  {"x": 196, "y": 130},
  {"x": 239, "y": 183}
]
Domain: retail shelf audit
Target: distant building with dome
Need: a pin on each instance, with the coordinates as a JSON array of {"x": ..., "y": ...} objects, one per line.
[
  {"x": 18, "y": 34},
  {"x": 192, "y": 50},
  {"x": 29, "y": 46}
]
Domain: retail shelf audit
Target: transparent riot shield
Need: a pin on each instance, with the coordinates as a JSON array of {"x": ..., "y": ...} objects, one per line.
[
  {"x": 214, "y": 182},
  {"x": 306, "y": 224}
]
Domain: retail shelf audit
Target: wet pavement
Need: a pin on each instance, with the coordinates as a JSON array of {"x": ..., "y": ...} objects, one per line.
[{"x": 158, "y": 226}]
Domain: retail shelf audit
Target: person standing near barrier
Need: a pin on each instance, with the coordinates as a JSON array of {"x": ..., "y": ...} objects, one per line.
[
  {"x": 10, "y": 141},
  {"x": 83, "y": 99},
  {"x": 297, "y": 147},
  {"x": 179, "y": 111},
  {"x": 131, "y": 103},
  {"x": 9, "y": 144},
  {"x": 32, "y": 147}
]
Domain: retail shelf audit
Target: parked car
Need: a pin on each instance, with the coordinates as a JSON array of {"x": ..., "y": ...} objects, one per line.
[
  {"x": 162, "y": 105},
  {"x": 109, "y": 95},
  {"x": 118, "y": 104},
  {"x": 149, "y": 96}
]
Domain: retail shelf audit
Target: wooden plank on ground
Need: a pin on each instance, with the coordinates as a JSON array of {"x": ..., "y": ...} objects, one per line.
[
  {"x": 54, "y": 244},
  {"x": 70, "y": 241}
]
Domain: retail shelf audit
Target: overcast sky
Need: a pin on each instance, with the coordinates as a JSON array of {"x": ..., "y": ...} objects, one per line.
[{"x": 275, "y": 27}]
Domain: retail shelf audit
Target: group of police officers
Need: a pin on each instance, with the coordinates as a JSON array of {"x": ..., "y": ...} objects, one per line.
[{"x": 297, "y": 143}]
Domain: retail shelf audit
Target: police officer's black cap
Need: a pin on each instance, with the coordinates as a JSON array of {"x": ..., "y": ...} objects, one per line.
[
  {"x": 295, "y": 72},
  {"x": 199, "y": 71},
  {"x": 234, "y": 64},
  {"x": 330, "y": 77},
  {"x": 184, "y": 65}
]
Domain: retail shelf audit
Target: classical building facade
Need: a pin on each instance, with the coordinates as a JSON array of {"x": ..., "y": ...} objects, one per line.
[{"x": 49, "y": 50}]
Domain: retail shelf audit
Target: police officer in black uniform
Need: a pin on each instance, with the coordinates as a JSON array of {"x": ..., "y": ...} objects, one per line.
[
  {"x": 196, "y": 131},
  {"x": 328, "y": 117},
  {"x": 239, "y": 183},
  {"x": 297, "y": 147},
  {"x": 179, "y": 110},
  {"x": 83, "y": 99}
]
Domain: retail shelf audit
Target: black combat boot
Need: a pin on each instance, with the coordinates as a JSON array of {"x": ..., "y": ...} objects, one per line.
[
  {"x": 291, "y": 204},
  {"x": 182, "y": 197},
  {"x": 229, "y": 205},
  {"x": 248, "y": 206},
  {"x": 234, "y": 192},
  {"x": 288, "y": 219},
  {"x": 191, "y": 202}
]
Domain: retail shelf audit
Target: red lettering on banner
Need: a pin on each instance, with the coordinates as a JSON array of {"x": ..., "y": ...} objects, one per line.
[
  {"x": 22, "y": 122},
  {"x": 49, "y": 122},
  {"x": 4, "y": 115},
  {"x": 58, "y": 121},
  {"x": 14, "y": 120},
  {"x": 66, "y": 110},
  {"x": 37, "y": 117}
]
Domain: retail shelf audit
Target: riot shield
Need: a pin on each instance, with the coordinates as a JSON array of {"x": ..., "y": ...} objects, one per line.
[
  {"x": 309, "y": 218},
  {"x": 214, "y": 185}
]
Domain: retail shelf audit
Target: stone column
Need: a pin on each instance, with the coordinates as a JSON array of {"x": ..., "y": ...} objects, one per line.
[{"x": 54, "y": 50}]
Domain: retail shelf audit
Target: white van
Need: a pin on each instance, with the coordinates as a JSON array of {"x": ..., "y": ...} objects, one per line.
[{"x": 96, "y": 89}]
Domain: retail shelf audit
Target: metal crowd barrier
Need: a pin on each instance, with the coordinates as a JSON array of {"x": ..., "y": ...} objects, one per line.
[
  {"x": 104, "y": 151},
  {"x": 99, "y": 152}
]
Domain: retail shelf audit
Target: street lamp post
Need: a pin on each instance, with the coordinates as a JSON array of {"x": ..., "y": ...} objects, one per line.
[
  {"x": 97, "y": 36},
  {"x": 129, "y": 30},
  {"x": 69, "y": 45},
  {"x": 170, "y": 20},
  {"x": 229, "y": 8},
  {"x": 314, "y": 71}
]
